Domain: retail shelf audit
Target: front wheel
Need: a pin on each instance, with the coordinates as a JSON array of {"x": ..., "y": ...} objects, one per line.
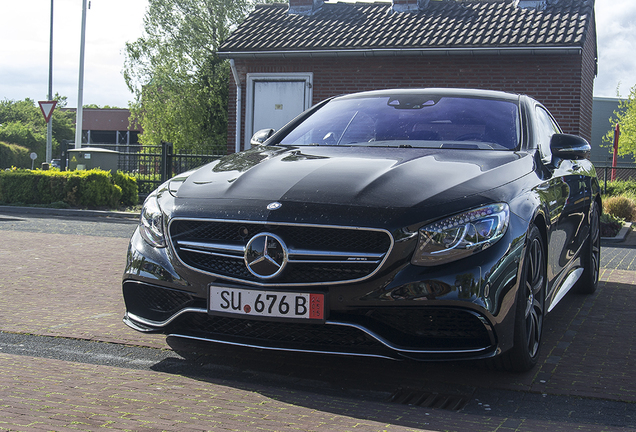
[
  {"x": 591, "y": 255},
  {"x": 530, "y": 308}
]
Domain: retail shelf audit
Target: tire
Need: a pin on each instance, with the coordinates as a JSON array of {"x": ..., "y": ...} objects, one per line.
[
  {"x": 591, "y": 255},
  {"x": 530, "y": 308}
]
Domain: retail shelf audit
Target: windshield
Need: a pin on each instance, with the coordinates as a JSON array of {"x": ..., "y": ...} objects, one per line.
[{"x": 411, "y": 120}]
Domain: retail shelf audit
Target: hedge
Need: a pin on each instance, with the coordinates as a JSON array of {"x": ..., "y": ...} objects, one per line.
[
  {"x": 621, "y": 187},
  {"x": 87, "y": 189},
  {"x": 14, "y": 155}
]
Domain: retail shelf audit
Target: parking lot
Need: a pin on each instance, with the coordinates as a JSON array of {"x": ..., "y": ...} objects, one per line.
[{"x": 67, "y": 362}]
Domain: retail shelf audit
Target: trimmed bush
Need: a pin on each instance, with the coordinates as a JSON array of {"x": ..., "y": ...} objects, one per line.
[
  {"x": 129, "y": 189},
  {"x": 14, "y": 155},
  {"x": 88, "y": 189},
  {"x": 620, "y": 206}
]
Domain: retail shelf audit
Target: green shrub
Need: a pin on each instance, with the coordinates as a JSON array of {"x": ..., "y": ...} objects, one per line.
[
  {"x": 92, "y": 188},
  {"x": 13, "y": 155},
  {"x": 621, "y": 188},
  {"x": 98, "y": 190},
  {"x": 610, "y": 225},
  {"x": 620, "y": 206},
  {"x": 18, "y": 133},
  {"x": 129, "y": 190}
]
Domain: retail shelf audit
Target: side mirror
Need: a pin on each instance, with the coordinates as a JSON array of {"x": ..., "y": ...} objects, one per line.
[
  {"x": 573, "y": 147},
  {"x": 261, "y": 136}
]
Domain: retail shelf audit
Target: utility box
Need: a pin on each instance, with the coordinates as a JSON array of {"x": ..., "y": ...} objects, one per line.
[{"x": 93, "y": 157}]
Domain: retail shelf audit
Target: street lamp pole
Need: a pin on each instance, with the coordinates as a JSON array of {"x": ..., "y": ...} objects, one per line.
[
  {"x": 80, "y": 87},
  {"x": 49, "y": 125}
]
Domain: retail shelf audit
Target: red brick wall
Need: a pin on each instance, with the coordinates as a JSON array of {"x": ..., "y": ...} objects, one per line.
[
  {"x": 588, "y": 73},
  {"x": 561, "y": 82}
]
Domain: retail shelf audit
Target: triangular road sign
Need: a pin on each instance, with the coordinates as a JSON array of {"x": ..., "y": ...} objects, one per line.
[{"x": 47, "y": 108}]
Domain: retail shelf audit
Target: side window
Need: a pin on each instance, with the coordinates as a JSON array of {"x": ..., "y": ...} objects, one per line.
[{"x": 545, "y": 128}]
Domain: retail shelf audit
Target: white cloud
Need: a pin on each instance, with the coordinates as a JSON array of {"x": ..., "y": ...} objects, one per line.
[
  {"x": 616, "y": 36},
  {"x": 24, "y": 59}
]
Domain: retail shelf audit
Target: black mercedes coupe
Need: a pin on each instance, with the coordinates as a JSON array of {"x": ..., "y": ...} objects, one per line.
[{"x": 429, "y": 224}]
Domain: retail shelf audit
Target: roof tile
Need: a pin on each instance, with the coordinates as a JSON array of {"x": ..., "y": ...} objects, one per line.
[{"x": 443, "y": 24}]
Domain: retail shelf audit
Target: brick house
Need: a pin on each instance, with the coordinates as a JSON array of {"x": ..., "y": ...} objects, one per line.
[
  {"x": 108, "y": 126},
  {"x": 286, "y": 58}
]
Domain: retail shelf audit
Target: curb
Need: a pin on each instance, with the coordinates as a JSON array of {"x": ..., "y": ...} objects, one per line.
[
  {"x": 42, "y": 211},
  {"x": 621, "y": 236}
]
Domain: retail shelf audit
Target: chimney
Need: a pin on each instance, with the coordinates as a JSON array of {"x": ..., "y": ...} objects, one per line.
[
  {"x": 536, "y": 4},
  {"x": 304, "y": 7},
  {"x": 410, "y": 5}
]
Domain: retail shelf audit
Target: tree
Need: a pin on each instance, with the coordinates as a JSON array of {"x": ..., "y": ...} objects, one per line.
[
  {"x": 180, "y": 84},
  {"x": 22, "y": 124},
  {"x": 626, "y": 117},
  {"x": 95, "y": 106}
]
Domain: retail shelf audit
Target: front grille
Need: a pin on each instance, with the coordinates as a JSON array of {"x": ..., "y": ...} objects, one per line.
[
  {"x": 317, "y": 254},
  {"x": 434, "y": 332},
  {"x": 279, "y": 335}
]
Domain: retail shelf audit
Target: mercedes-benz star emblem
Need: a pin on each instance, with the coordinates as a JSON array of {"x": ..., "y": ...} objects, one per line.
[
  {"x": 265, "y": 255},
  {"x": 274, "y": 206}
]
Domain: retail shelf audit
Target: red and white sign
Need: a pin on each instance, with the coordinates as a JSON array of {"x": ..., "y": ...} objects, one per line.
[{"x": 47, "y": 108}]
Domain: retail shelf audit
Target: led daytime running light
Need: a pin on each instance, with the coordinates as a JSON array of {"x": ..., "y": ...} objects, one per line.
[
  {"x": 462, "y": 219},
  {"x": 461, "y": 235}
]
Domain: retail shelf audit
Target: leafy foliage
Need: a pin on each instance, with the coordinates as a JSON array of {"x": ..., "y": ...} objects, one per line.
[
  {"x": 621, "y": 207},
  {"x": 610, "y": 225},
  {"x": 180, "y": 85},
  {"x": 92, "y": 188},
  {"x": 626, "y": 117},
  {"x": 22, "y": 124},
  {"x": 13, "y": 155},
  {"x": 95, "y": 106},
  {"x": 129, "y": 190},
  {"x": 621, "y": 187}
]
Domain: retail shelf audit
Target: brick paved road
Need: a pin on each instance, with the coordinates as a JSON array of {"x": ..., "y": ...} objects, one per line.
[
  {"x": 68, "y": 285},
  {"x": 619, "y": 256}
]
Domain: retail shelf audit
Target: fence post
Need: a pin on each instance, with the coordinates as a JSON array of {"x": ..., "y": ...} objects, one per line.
[{"x": 166, "y": 160}]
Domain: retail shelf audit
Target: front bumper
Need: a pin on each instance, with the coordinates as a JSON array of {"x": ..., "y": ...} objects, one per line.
[
  {"x": 431, "y": 333},
  {"x": 403, "y": 312}
]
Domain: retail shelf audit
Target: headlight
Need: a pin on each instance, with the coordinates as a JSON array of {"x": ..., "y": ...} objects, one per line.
[
  {"x": 151, "y": 222},
  {"x": 461, "y": 235}
]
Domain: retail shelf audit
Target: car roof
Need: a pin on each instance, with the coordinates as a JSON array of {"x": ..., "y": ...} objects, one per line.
[{"x": 454, "y": 92}]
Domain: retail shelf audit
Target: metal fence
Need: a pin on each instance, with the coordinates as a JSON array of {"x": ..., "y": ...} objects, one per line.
[
  {"x": 621, "y": 173},
  {"x": 152, "y": 165}
]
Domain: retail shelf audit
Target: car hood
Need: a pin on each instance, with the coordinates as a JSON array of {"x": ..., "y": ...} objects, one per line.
[{"x": 353, "y": 176}]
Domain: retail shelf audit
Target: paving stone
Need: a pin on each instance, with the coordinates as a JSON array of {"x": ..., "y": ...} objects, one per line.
[{"x": 69, "y": 286}]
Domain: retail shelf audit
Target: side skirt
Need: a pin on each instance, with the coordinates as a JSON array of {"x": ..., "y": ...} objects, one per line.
[{"x": 566, "y": 286}]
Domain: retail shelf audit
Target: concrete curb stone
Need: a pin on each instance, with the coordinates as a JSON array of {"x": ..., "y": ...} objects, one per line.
[{"x": 43, "y": 211}]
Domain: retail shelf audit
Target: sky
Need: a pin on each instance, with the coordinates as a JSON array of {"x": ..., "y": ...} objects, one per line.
[{"x": 25, "y": 39}]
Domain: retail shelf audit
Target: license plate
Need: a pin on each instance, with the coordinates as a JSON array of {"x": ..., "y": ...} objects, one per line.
[{"x": 274, "y": 304}]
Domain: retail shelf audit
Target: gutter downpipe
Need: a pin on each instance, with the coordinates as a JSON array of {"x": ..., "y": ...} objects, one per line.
[{"x": 237, "y": 141}]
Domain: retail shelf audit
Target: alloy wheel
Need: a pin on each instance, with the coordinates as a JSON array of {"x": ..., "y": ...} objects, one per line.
[{"x": 534, "y": 310}]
